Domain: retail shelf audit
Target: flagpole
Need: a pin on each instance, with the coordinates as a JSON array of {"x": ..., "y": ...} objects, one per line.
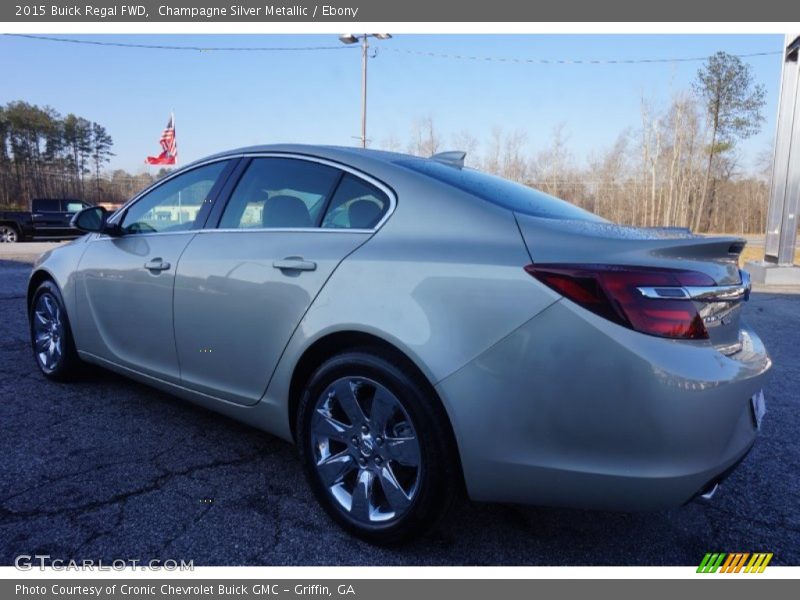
[{"x": 180, "y": 206}]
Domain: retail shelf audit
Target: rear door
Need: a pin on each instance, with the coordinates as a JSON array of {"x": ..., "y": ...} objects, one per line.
[
  {"x": 243, "y": 287},
  {"x": 47, "y": 217}
]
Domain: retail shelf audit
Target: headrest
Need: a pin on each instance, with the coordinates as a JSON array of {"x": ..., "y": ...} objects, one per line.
[
  {"x": 285, "y": 211},
  {"x": 363, "y": 214}
]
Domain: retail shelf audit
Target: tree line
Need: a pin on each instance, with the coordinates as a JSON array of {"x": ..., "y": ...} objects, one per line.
[
  {"x": 679, "y": 167},
  {"x": 45, "y": 154}
]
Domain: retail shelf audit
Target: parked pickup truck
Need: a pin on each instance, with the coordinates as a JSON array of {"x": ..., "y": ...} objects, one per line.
[{"x": 48, "y": 220}]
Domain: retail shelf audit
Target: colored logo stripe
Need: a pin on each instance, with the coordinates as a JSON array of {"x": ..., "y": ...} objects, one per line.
[
  {"x": 734, "y": 562},
  {"x": 758, "y": 563},
  {"x": 711, "y": 562}
]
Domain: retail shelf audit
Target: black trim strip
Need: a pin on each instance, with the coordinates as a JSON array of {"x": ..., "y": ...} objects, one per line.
[{"x": 221, "y": 202}]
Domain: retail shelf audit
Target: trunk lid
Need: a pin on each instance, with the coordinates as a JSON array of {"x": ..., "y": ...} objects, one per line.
[{"x": 554, "y": 241}]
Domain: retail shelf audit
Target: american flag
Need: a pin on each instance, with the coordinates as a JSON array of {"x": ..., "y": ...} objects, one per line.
[{"x": 169, "y": 146}]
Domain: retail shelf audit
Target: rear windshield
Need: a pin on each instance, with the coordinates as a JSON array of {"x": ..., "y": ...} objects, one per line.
[{"x": 505, "y": 193}]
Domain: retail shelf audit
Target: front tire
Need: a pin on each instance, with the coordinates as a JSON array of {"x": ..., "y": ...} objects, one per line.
[
  {"x": 9, "y": 234},
  {"x": 51, "y": 335},
  {"x": 376, "y": 447}
]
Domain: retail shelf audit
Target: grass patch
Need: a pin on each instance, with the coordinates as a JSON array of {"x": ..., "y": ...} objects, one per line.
[{"x": 757, "y": 253}]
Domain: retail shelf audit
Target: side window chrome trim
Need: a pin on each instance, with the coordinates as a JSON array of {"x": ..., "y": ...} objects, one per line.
[
  {"x": 336, "y": 165},
  {"x": 102, "y": 236},
  {"x": 285, "y": 229},
  {"x": 156, "y": 184}
]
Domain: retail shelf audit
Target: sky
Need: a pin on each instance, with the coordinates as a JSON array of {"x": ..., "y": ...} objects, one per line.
[{"x": 224, "y": 100}]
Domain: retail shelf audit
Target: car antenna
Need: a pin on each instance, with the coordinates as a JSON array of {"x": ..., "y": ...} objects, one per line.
[{"x": 454, "y": 158}]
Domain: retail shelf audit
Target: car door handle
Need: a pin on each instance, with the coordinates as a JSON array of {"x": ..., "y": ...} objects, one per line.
[
  {"x": 294, "y": 263},
  {"x": 156, "y": 264}
]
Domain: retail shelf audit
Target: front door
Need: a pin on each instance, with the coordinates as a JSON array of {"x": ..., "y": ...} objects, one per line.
[
  {"x": 242, "y": 289},
  {"x": 125, "y": 283}
]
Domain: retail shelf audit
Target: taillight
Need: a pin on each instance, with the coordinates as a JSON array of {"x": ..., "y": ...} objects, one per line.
[{"x": 613, "y": 293}]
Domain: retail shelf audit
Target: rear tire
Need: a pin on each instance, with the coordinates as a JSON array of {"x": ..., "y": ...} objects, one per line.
[
  {"x": 51, "y": 335},
  {"x": 376, "y": 447}
]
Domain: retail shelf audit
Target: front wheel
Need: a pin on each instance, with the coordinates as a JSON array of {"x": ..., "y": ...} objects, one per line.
[
  {"x": 376, "y": 447},
  {"x": 51, "y": 336}
]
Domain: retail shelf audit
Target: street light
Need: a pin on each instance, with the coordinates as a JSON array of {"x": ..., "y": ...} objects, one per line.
[{"x": 349, "y": 38}]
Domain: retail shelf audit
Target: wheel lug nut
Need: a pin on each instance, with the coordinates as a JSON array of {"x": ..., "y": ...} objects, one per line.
[
  {"x": 364, "y": 428},
  {"x": 378, "y": 460},
  {"x": 379, "y": 440},
  {"x": 362, "y": 461}
]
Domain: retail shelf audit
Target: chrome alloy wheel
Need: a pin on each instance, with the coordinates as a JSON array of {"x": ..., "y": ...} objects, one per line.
[
  {"x": 48, "y": 331},
  {"x": 366, "y": 451},
  {"x": 8, "y": 235}
]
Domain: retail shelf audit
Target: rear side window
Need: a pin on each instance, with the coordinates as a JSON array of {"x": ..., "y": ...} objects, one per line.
[
  {"x": 355, "y": 205},
  {"x": 46, "y": 205},
  {"x": 280, "y": 193},
  {"x": 513, "y": 196}
]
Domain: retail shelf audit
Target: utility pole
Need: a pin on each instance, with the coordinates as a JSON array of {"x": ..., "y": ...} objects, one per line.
[
  {"x": 364, "y": 48},
  {"x": 349, "y": 38}
]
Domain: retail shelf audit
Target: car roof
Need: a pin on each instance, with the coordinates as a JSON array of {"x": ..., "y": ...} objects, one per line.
[
  {"x": 324, "y": 151},
  {"x": 360, "y": 158}
]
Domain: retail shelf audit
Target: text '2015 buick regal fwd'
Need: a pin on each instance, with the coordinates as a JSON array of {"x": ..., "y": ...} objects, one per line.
[{"x": 416, "y": 327}]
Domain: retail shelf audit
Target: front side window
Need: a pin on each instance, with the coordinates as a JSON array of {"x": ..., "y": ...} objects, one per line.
[
  {"x": 280, "y": 193},
  {"x": 175, "y": 204},
  {"x": 355, "y": 205},
  {"x": 71, "y": 206}
]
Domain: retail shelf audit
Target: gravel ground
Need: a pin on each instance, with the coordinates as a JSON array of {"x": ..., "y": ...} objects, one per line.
[{"x": 108, "y": 469}]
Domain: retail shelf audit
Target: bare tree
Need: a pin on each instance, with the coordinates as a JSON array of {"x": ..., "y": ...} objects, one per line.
[
  {"x": 606, "y": 175},
  {"x": 549, "y": 167},
  {"x": 465, "y": 141},
  {"x": 492, "y": 162},
  {"x": 515, "y": 165},
  {"x": 391, "y": 143},
  {"x": 425, "y": 139}
]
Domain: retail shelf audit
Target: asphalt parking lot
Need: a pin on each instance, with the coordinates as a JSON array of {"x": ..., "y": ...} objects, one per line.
[{"x": 110, "y": 469}]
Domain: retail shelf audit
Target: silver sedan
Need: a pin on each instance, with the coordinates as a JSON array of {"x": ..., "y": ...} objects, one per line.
[{"x": 417, "y": 327}]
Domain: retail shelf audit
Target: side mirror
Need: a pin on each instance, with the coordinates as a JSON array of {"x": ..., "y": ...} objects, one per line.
[{"x": 93, "y": 220}]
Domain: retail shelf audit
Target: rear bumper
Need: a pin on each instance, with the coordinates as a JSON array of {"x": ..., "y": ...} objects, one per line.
[{"x": 572, "y": 410}]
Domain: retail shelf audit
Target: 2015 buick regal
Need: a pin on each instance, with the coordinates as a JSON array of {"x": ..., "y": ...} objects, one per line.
[{"x": 415, "y": 326}]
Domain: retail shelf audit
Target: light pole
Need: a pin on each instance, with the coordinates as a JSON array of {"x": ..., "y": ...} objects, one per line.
[{"x": 349, "y": 38}]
